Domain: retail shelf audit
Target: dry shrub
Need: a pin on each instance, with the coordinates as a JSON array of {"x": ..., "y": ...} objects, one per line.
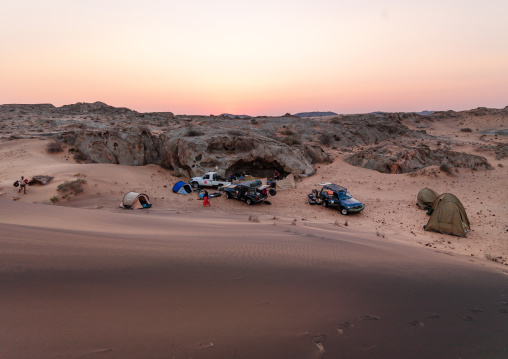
[
  {"x": 291, "y": 141},
  {"x": 54, "y": 147},
  {"x": 79, "y": 156},
  {"x": 69, "y": 187},
  {"x": 467, "y": 129},
  {"x": 326, "y": 139},
  {"x": 445, "y": 168},
  {"x": 288, "y": 132}
]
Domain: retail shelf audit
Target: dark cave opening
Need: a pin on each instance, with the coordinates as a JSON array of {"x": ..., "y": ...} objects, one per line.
[{"x": 257, "y": 168}]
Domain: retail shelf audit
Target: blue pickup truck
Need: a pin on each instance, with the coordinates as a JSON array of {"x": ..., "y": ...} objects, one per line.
[{"x": 335, "y": 196}]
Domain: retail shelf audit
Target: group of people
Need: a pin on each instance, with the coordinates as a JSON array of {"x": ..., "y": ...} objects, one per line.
[
  {"x": 237, "y": 176},
  {"x": 241, "y": 176}
]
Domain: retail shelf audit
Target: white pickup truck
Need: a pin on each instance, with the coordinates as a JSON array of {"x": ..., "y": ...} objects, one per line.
[{"x": 209, "y": 179}]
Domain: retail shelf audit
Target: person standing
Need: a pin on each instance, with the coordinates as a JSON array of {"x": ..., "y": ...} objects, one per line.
[
  {"x": 206, "y": 199},
  {"x": 276, "y": 175},
  {"x": 23, "y": 183}
]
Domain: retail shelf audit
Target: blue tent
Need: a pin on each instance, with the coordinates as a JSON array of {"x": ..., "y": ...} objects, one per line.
[{"x": 182, "y": 188}]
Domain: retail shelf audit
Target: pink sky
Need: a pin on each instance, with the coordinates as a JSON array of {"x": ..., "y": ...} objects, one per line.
[{"x": 256, "y": 58}]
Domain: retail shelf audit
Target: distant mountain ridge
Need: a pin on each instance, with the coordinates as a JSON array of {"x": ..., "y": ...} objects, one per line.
[
  {"x": 234, "y": 116},
  {"x": 315, "y": 114}
]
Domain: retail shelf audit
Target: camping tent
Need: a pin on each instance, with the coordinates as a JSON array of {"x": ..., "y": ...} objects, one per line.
[
  {"x": 448, "y": 218},
  {"x": 286, "y": 183},
  {"x": 450, "y": 197},
  {"x": 135, "y": 200},
  {"x": 426, "y": 198},
  {"x": 182, "y": 188}
]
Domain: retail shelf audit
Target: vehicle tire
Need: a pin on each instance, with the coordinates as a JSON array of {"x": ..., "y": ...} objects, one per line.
[
  {"x": 194, "y": 184},
  {"x": 343, "y": 211},
  {"x": 324, "y": 203},
  {"x": 228, "y": 195},
  {"x": 272, "y": 191},
  {"x": 248, "y": 201}
]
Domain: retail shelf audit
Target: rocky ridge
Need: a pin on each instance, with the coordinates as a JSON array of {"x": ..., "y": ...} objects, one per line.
[{"x": 193, "y": 144}]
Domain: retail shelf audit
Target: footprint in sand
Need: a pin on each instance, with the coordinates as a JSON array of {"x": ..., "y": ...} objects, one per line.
[
  {"x": 416, "y": 324},
  {"x": 503, "y": 311},
  {"x": 344, "y": 326},
  {"x": 319, "y": 340},
  {"x": 433, "y": 315},
  {"x": 467, "y": 318},
  {"x": 370, "y": 317},
  {"x": 474, "y": 310}
]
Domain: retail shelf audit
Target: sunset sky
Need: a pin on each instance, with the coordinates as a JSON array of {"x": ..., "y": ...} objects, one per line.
[{"x": 256, "y": 57}]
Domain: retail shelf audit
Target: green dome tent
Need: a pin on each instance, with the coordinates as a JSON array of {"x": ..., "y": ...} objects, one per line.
[
  {"x": 452, "y": 198},
  {"x": 426, "y": 198},
  {"x": 448, "y": 216}
]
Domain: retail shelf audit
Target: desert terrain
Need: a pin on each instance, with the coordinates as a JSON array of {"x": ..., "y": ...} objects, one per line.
[{"x": 82, "y": 277}]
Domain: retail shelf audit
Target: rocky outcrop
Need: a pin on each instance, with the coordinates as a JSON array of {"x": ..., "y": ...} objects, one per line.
[
  {"x": 500, "y": 150},
  {"x": 398, "y": 159},
  {"x": 357, "y": 130},
  {"x": 92, "y": 108},
  {"x": 40, "y": 179},
  {"x": 132, "y": 146},
  {"x": 316, "y": 154},
  {"x": 21, "y": 108},
  {"x": 216, "y": 150},
  {"x": 196, "y": 152}
]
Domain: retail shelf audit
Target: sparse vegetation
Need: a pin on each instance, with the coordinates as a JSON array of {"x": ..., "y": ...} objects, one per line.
[
  {"x": 326, "y": 139},
  {"x": 71, "y": 187},
  {"x": 291, "y": 141},
  {"x": 79, "y": 156},
  {"x": 467, "y": 129},
  {"x": 54, "y": 199},
  {"x": 445, "y": 168},
  {"x": 54, "y": 147},
  {"x": 288, "y": 132}
]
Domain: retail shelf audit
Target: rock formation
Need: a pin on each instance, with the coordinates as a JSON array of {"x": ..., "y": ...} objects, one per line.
[{"x": 403, "y": 159}]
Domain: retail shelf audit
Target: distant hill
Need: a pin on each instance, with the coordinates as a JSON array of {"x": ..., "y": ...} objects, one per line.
[
  {"x": 315, "y": 114},
  {"x": 233, "y": 116},
  {"x": 425, "y": 113}
]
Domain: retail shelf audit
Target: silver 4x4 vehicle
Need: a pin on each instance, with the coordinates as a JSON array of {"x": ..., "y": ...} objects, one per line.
[{"x": 332, "y": 195}]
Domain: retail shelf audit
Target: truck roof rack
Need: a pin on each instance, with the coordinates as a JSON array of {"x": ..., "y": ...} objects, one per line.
[{"x": 334, "y": 187}]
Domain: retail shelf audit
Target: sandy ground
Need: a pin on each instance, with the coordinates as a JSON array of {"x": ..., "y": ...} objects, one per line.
[{"x": 83, "y": 278}]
